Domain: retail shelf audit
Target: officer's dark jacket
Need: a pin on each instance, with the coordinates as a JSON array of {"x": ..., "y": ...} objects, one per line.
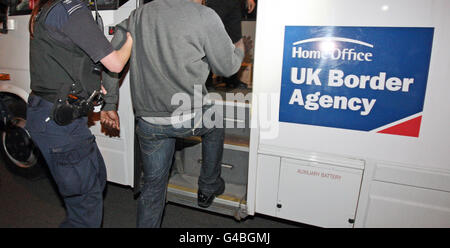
[{"x": 54, "y": 64}]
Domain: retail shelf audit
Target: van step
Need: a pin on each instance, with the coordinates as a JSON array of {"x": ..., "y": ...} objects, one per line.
[{"x": 182, "y": 189}]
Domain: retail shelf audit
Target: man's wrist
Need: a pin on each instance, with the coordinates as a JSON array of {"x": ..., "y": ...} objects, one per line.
[{"x": 109, "y": 107}]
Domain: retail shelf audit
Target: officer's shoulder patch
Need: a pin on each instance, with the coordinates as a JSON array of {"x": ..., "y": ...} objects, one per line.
[{"x": 72, "y": 5}]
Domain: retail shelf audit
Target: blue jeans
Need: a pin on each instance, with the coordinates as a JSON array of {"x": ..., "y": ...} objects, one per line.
[
  {"x": 74, "y": 161},
  {"x": 157, "y": 144}
]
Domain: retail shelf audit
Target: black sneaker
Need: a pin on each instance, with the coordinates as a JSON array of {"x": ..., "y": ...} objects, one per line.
[{"x": 204, "y": 200}]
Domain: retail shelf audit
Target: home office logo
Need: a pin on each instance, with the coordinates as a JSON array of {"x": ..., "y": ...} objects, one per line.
[
  {"x": 369, "y": 79},
  {"x": 329, "y": 50}
]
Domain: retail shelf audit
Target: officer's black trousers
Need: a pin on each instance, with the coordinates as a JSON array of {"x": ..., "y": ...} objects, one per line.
[{"x": 74, "y": 161}]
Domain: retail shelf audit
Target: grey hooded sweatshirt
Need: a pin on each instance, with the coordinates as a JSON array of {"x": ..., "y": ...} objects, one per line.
[{"x": 175, "y": 45}]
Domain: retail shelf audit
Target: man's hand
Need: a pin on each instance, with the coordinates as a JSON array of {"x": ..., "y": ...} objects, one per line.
[
  {"x": 248, "y": 43},
  {"x": 250, "y": 5},
  {"x": 240, "y": 44},
  {"x": 110, "y": 119}
]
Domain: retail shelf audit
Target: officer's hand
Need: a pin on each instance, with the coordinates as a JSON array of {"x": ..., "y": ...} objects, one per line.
[
  {"x": 110, "y": 119},
  {"x": 103, "y": 90},
  {"x": 250, "y": 5},
  {"x": 129, "y": 39}
]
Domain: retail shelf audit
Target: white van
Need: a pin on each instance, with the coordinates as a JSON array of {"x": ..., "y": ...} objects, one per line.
[{"x": 346, "y": 122}]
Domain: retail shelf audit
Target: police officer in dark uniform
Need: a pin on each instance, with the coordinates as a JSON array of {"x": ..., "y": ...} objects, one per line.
[{"x": 65, "y": 44}]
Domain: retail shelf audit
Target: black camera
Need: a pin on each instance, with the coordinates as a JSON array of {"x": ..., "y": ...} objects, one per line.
[{"x": 74, "y": 107}]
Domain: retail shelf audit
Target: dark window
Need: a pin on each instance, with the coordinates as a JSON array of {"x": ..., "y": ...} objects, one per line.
[
  {"x": 19, "y": 7},
  {"x": 3, "y": 16}
]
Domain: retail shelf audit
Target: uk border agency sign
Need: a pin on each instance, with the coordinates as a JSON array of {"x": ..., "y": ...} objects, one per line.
[{"x": 359, "y": 78}]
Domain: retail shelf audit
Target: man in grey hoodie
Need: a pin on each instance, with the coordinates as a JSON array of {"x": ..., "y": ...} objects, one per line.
[{"x": 175, "y": 44}]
